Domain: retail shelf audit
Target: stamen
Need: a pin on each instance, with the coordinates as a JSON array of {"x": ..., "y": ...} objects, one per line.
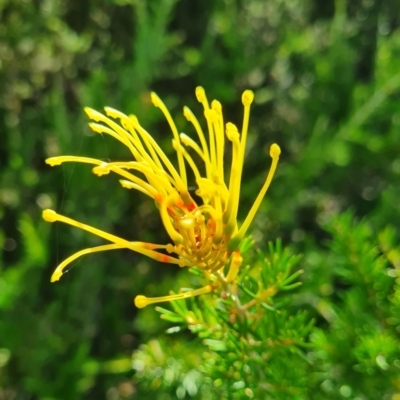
[
  {"x": 133, "y": 123},
  {"x": 189, "y": 142},
  {"x": 128, "y": 126},
  {"x": 219, "y": 136},
  {"x": 202, "y": 98},
  {"x": 189, "y": 159},
  {"x": 207, "y": 189},
  {"x": 98, "y": 128},
  {"x": 236, "y": 262},
  {"x": 130, "y": 185},
  {"x": 218, "y": 219},
  {"x": 174, "y": 235},
  {"x": 116, "y": 130},
  {"x": 207, "y": 209},
  {"x": 160, "y": 104},
  {"x": 247, "y": 99},
  {"x": 182, "y": 188},
  {"x": 142, "y": 301},
  {"x": 234, "y": 182},
  {"x": 62, "y": 159},
  {"x": 57, "y": 274},
  {"x": 158, "y": 180},
  {"x": 105, "y": 168},
  {"x": 212, "y": 256},
  {"x": 188, "y": 235},
  {"x": 52, "y": 216},
  {"x": 274, "y": 152},
  {"x": 191, "y": 118}
]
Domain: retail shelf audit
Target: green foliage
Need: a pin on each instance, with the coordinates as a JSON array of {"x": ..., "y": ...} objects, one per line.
[
  {"x": 327, "y": 84},
  {"x": 254, "y": 342},
  {"x": 257, "y": 336},
  {"x": 359, "y": 351}
]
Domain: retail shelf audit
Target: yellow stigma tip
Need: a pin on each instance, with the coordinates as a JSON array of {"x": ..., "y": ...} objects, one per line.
[
  {"x": 187, "y": 113},
  {"x": 232, "y": 131},
  {"x": 211, "y": 115},
  {"x": 95, "y": 127},
  {"x": 200, "y": 94},
  {"x": 155, "y": 99},
  {"x": 88, "y": 111},
  {"x": 275, "y": 151},
  {"x": 112, "y": 112},
  {"x": 52, "y": 161},
  {"x": 134, "y": 119},
  {"x": 141, "y": 301},
  {"x": 56, "y": 276},
  {"x": 185, "y": 139},
  {"x": 93, "y": 114},
  {"x": 101, "y": 170},
  {"x": 49, "y": 215},
  {"x": 216, "y": 105},
  {"x": 247, "y": 97}
]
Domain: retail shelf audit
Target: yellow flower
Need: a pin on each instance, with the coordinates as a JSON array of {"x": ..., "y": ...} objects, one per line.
[{"x": 204, "y": 235}]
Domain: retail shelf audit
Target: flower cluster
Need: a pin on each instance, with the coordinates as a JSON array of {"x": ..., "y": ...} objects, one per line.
[{"x": 206, "y": 235}]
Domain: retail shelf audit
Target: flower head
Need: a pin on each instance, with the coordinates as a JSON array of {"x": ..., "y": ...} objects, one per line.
[{"x": 205, "y": 235}]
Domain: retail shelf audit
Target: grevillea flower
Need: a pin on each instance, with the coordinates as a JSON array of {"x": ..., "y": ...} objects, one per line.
[{"x": 207, "y": 235}]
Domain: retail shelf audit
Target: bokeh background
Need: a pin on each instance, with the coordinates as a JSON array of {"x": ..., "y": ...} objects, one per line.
[{"x": 326, "y": 75}]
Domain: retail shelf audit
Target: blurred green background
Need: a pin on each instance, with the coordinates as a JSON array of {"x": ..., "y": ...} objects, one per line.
[{"x": 326, "y": 75}]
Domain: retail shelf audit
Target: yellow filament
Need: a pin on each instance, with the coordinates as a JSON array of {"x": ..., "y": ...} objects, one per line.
[
  {"x": 52, "y": 216},
  {"x": 214, "y": 260},
  {"x": 236, "y": 262},
  {"x": 218, "y": 260},
  {"x": 189, "y": 142},
  {"x": 275, "y": 152},
  {"x": 191, "y": 118},
  {"x": 207, "y": 189},
  {"x": 112, "y": 129},
  {"x": 234, "y": 182},
  {"x": 188, "y": 235},
  {"x": 247, "y": 99},
  {"x": 202, "y": 98},
  {"x": 177, "y": 179},
  {"x": 62, "y": 159},
  {"x": 206, "y": 208},
  {"x": 128, "y": 126},
  {"x": 130, "y": 185},
  {"x": 133, "y": 143},
  {"x": 157, "y": 180},
  {"x": 59, "y": 270},
  {"x": 236, "y": 172},
  {"x": 189, "y": 159},
  {"x": 174, "y": 235},
  {"x": 219, "y": 136},
  {"x": 142, "y": 301},
  {"x": 144, "y": 135},
  {"x": 105, "y": 168},
  {"x": 148, "y": 140},
  {"x": 99, "y": 128},
  {"x": 160, "y": 104},
  {"x": 218, "y": 220}
]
